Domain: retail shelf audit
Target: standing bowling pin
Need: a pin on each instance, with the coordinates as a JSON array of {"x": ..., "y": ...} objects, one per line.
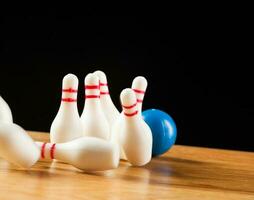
[
  {"x": 67, "y": 125},
  {"x": 139, "y": 85},
  {"x": 135, "y": 136},
  {"x": 16, "y": 146},
  {"x": 5, "y": 112},
  {"x": 93, "y": 119},
  {"x": 85, "y": 153},
  {"x": 107, "y": 105}
]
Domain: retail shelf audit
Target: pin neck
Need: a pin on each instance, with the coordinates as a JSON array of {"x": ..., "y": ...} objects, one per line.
[
  {"x": 92, "y": 102},
  {"x": 104, "y": 91},
  {"x": 130, "y": 110},
  {"x": 131, "y": 114},
  {"x": 139, "y": 106},
  {"x": 69, "y": 95},
  {"x": 140, "y": 96},
  {"x": 68, "y": 105},
  {"x": 138, "y": 91},
  {"x": 92, "y": 96},
  {"x": 70, "y": 90},
  {"x": 103, "y": 84},
  {"x": 91, "y": 87},
  {"x": 68, "y": 100},
  {"x": 92, "y": 91},
  {"x": 129, "y": 107},
  {"x": 48, "y": 150}
]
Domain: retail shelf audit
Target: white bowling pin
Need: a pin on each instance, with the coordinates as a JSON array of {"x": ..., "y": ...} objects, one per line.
[
  {"x": 116, "y": 136},
  {"x": 139, "y": 85},
  {"x": 85, "y": 153},
  {"x": 107, "y": 105},
  {"x": 16, "y": 146},
  {"x": 93, "y": 119},
  {"x": 67, "y": 125},
  {"x": 5, "y": 112},
  {"x": 135, "y": 136}
]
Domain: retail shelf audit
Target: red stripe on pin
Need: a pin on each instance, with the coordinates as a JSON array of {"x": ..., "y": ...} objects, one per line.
[
  {"x": 131, "y": 114},
  {"x": 43, "y": 150},
  {"x": 129, "y": 107},
  {"x": 92, "y": 87},
  {"x": 69, "y": 100},
  {"x": 103, "y": 84},
  {"x": 52, "y": 151},
  {"x": 139, "y": 91},
  {"x": 92, "y": 96},
  {"x": 104, "y": 93},
  {"x": 70, "y": 90},
  {"x": 139, "y": 100}
]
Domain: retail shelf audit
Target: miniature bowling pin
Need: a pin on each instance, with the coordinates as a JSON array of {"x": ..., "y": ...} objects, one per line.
[
  {"x": 5, "y": 112},
  {"x": 16, "y": 146},
  {"x": 85, "y": 153},
  {"x": 139, "y": 85},
  {"x": 67, "y": 125},
  {"x": 93, "y": 119},
  {"x": 108, "y": 107},
  {"x": 134, "y": 135}
]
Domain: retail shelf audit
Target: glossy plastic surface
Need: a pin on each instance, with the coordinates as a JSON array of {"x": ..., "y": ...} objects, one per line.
[{"x": 163, "y": 128}]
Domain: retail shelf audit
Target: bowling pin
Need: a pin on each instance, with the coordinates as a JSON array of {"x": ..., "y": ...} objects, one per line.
[
  {"x": 134, "y": 135},
  {"x": 85, "y": 153},
  {"x": 108, "y": 107},
  {"x": 5, "y": 112},
  {"x": 139, "y": 85},
  {"x": 16, "y": 146},
  {"x": 67, "y": 125},
  {"x": 93, "y": 119}
]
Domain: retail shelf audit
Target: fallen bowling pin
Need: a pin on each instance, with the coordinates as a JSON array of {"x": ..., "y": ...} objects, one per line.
[
  {"x": 5, "y": 112},
  {"x": 93, "y": 119},
  {"x": 134, "y": 135},
  {"x": 86, "y": 153},
  {"x": 67, "y": 125},
  {"x": 16, "y": 146},
  {"x": 110, "y": 111}
]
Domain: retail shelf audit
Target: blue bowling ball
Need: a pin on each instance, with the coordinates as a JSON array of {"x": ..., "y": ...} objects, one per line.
[{"x": 163, "y": 130}]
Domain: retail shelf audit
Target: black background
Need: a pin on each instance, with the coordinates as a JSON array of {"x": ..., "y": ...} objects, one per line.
[{"x": 192, "y": 70}]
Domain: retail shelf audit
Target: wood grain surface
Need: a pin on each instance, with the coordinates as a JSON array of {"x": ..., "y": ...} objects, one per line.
[{"x": 182, "y": 173}]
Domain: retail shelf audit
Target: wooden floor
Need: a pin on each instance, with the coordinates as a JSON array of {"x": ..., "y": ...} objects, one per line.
[{"x": 183, "y": 173}]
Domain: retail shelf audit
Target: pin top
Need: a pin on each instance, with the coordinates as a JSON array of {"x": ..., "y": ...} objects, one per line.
[
  {"x": 139, "y": 84},
  {"x": 128, "y": 97},
  {"x": 91, "y": 80},
  {"x": 70, "y": 81},
  {"x": 102, "y": 76}
]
